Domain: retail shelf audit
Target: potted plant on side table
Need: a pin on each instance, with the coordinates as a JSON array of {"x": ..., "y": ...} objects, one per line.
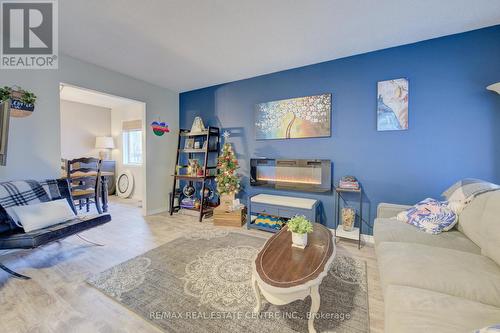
[{"x": 299, "y": 226}]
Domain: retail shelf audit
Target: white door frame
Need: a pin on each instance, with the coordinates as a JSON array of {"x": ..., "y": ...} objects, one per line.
[{"x": 144, "y": 209}]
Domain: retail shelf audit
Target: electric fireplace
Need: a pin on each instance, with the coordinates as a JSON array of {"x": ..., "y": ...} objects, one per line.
[{"x": 299, "y": 175}]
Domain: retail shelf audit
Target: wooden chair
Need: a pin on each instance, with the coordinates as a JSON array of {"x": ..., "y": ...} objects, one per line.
[{"x": 84, "y": 175}]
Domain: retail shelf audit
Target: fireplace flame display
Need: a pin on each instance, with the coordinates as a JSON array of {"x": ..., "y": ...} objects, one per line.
[
  {"x": 302, "y": 175},
  {"x": 289, "y": 174},
  {"x": 290, "y": 180}
]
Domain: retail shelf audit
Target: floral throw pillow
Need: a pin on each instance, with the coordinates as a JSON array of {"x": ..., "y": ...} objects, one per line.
[{"x": 430, "y": 215}]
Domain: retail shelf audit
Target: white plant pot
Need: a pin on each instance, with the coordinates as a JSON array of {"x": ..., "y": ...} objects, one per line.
[{"x": 299, "y": 240}]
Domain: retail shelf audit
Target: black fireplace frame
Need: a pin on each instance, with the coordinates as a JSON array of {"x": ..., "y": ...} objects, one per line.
[{"x": 326, "y": 174}]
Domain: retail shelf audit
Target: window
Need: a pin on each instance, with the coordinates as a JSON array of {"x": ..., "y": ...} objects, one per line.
[{"x": 132, "y": 142}]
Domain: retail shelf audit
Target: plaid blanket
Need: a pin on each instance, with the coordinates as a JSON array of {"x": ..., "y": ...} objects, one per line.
[
  {"x": 22, "y": 193},
  {"x": 51, "y": 188}
]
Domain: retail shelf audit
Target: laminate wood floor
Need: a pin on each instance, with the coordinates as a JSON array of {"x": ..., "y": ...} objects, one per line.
[{"x": 57, "y": 298}]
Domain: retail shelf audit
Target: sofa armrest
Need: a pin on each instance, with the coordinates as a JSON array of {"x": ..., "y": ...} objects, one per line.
[{"x": 387, "y": 210}]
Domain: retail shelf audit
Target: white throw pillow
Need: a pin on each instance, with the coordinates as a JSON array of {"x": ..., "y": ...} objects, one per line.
[
  {"x": 458, "y": 206},
  {"x": 44, "y": 214}
]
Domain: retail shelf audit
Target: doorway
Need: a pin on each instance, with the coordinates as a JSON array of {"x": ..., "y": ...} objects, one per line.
[{"x": 111, "y": 128}]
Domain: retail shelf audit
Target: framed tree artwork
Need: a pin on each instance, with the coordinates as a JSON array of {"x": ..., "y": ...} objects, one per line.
[{"x": 302, "y": 117}]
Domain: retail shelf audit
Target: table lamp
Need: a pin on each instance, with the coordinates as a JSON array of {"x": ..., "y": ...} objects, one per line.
[{"x": 105, "y": 143}]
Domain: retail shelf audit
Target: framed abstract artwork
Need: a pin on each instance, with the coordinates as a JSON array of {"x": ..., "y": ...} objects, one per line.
[
  {"x": 302, "y": 117},
  {"x": 392, "y": 105}
]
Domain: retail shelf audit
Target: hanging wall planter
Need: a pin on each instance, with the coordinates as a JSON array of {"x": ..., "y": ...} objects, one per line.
[{"x": 22, "y": 102}]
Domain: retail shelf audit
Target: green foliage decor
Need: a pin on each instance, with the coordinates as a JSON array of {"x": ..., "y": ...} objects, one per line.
[
  {"x": 28, "y": 97},
  {"x": 5, "y": 93},
  {"x": 25, "y": 96},
  {"x": 300, "y": 225},
  {"x": 228, "y": 181}
]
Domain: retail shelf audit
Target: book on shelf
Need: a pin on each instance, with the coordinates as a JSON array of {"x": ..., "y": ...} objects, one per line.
[
  {"x": 355, "y": 187},
  {"x": 349, "y": 182}
]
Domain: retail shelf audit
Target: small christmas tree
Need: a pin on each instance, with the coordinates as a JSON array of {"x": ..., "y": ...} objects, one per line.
[{"x": 227, "y": 181}]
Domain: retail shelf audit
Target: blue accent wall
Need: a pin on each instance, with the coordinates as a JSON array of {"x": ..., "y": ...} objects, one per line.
[{"x": 453, "y": 120}]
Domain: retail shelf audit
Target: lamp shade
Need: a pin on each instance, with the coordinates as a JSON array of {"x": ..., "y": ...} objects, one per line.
[
  {"x": 494, "y": 87},
  {"x": 104, "y": 142}
]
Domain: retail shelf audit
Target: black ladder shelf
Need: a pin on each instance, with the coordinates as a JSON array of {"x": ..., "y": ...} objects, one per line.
[{"x": 210, "y": 132}]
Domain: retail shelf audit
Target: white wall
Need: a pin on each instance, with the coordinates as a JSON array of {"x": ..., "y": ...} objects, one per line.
[
  {"x": 34, "y": 142},
  {"x": 118, "y": 115},
  {"x": 80, "y": 124}
]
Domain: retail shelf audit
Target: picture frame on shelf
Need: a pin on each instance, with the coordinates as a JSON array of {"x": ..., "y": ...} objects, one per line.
[{"x": 189, "y": 144}]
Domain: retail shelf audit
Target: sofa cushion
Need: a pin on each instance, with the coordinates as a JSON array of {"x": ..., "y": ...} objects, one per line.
[
  {"x": 412, "y": 310},
  {"x": 16, "y": 240},
  {"x": 392, "y": 230},
  {"x": 457, "y": 273},
  {"x": 465, "y": 189},
  {"x": 388, "y": 210},
  {"x": 490, "y": 228},
  {"x": 470, "y": 219}
]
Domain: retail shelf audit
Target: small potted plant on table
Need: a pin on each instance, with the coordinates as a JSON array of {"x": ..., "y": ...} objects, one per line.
[{"x": 300, "y": 227}]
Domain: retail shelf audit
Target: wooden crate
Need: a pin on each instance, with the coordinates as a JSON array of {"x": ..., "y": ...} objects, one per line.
[{"x": 236, "y": 218}]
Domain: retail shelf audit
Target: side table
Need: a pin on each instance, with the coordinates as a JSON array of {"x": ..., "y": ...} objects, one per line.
[{"x": 355, "y": 234}]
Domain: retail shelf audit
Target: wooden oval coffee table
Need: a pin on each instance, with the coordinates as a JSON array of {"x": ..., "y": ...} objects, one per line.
[{"x": 283, "y": 273}]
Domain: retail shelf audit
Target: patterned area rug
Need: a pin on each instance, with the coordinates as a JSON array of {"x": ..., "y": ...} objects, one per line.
[{"x": 201, "y": 283}]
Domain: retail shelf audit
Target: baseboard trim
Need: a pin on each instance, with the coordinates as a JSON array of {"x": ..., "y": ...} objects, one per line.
[
  {"x": 367, "y": 239},
  {"x": 156, "y": 211}
]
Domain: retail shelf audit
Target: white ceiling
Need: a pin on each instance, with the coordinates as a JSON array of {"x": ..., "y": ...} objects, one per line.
[
  {"x": 189, "y": 44},
  {"x": 91, "y": 97}
]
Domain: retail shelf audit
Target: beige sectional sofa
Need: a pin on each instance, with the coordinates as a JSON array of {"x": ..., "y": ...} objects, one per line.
[{"x": 445, "y": 283}]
